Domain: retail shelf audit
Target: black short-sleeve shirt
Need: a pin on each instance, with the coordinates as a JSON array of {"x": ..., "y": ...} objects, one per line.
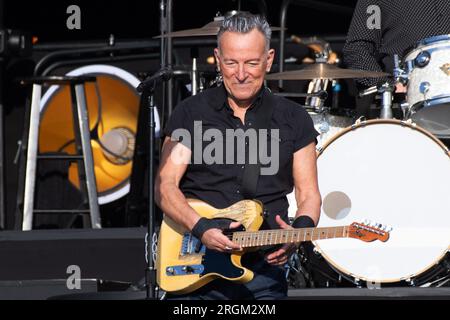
[{"x": 207, "y": 118}]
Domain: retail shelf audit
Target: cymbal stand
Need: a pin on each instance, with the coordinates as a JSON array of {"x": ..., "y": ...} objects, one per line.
[
  {"x": 194, "y": 76},
  {"x": 194, "y": 72}
]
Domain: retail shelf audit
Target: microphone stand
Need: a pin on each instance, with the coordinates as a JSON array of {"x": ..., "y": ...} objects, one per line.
[{"x": 147, "y": 88}]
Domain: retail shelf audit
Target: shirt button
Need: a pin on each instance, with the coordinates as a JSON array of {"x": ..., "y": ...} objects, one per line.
[
  {"x": 242, "y": 167},
  {"x": 238, "y": 192}
]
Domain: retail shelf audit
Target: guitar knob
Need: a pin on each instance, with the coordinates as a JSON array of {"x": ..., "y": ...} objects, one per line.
[{"x": 170, "y": 270}]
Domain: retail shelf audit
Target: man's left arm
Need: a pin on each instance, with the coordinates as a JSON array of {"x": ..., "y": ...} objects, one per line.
[
  {"x": 307, "y": 195},
  {"x": 307, "y": 192}
]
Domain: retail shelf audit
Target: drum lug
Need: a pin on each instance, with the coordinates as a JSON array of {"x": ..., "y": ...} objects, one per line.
[
  {"x": 408, "y": 123},
  {"x": 405, "y": 107},
  {"x": 360, "y": 121},
  {"x": 358, "y": 283},
  {"x": 424, "y": 87},
  {"x": 422, "y": 59}
]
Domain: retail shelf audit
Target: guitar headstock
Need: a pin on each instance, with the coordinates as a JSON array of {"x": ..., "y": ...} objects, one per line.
[{"x": 368, "y": 231}]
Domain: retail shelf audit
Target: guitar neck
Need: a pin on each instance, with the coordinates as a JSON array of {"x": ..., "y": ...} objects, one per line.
[{"x": 247, "y": 239}]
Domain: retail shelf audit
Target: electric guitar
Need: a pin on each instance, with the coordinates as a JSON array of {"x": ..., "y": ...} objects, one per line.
[{"x": 184, "y": 264}]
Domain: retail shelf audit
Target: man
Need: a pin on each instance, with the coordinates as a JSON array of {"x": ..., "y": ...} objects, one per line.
[
  {"x": 243, "y": 57},
  {"x": 382, "y": 28}
]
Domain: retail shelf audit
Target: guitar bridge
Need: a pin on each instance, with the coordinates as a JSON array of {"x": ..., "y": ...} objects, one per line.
[
  {"x": 184, "y": 270},
  {"x": 191, "y": 245}
]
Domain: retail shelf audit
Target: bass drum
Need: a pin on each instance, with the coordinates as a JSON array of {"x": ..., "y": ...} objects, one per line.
[{"x": 394, "y": 173}]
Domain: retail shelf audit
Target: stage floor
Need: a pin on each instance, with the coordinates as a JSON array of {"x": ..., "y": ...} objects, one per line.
[{"x": 112, "y": 262}]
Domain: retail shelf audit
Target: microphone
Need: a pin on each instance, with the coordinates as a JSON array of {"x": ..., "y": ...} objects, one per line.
[{"x": 160, "y": 76}]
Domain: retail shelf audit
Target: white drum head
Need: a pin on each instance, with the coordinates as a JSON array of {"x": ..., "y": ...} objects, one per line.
[{"x": 393, "y": 174}]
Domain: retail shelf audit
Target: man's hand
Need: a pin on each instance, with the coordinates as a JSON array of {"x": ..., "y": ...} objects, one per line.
[
  {"x": 400, "y": 88},
  {"x": 214, "y": 239},
  {"x": 282, "y": 255}
]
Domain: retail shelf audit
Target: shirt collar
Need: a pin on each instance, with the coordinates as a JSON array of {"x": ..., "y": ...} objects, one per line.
[{"x": 222, "y": 95}]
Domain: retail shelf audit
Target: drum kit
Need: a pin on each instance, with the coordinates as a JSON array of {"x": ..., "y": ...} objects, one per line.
[
  {"x": 395, "y": 171},
  {"x": 392, "y": 171}
]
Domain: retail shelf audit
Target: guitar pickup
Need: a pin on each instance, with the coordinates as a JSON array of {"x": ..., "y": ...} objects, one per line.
[{"x": 185, "y": 270}]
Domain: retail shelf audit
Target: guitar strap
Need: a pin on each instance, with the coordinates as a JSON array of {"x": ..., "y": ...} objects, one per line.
[{"x": 252, "y": 171}]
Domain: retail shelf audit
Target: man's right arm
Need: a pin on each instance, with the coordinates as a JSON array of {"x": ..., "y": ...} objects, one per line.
[
  {"x": 363, "y": 42},
  {"x": 168, "y": 196}
]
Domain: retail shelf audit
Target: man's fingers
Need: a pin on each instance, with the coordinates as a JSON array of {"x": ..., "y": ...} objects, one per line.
[
  {"x": 276, "y": 254},
  {"x": 227, "y": 244},
  {"x": 281, "y": 222},
  {"x": 234, "y": 225}
]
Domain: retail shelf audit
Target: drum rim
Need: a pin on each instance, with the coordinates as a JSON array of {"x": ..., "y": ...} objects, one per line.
[
  {"x": 365, "y": 123},
  {"x": 426, "y": 42},
  {"x": 357, "y": 278},
  {"x": 355, "y": 126},
  {"x": 433, "y": 39}
]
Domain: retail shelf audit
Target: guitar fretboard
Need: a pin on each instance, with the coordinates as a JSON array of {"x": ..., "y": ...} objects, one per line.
[{"x": 272, "y": 237}]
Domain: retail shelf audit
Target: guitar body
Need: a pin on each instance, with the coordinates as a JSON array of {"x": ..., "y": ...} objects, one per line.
[{"x": 184, "y": 264}]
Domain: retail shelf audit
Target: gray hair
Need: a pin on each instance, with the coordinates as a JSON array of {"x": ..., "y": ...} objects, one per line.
[{"x": 244, "y": 22}]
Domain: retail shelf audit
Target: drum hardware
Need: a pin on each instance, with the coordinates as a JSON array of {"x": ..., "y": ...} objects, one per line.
[
  {"x": 194, "y": 76},
  {"x": 400, "y": 75},
  {"x": 319, "y": 47},
  {"x": 296, "y": 274},
  {"x": 386, "y": 90}
]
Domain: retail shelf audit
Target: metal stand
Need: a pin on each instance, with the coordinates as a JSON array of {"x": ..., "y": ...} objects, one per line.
[
  {"x": 386, "y": 90},
  {"x": 150, "y": 274},
  {"x": 2, "y": 133},
  {"x": 147, "y": 88},
  {"x": 83, "y": 157}
]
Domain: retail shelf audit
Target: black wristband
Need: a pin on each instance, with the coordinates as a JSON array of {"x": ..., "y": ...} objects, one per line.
[
  {"x": 205, "y": 224},
  {"x": 303, "y": 222}
]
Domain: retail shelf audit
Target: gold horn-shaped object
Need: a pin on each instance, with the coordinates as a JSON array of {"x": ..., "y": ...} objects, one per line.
[{"x": 119, "y": 102}]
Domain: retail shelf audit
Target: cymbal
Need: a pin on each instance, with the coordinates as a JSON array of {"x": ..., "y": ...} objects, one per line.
[
  {"x": 209, "y": 29},
  {"x": 324, "y": 71}
]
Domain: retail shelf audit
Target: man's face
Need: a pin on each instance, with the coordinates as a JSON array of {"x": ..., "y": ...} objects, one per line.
[{"x": 243, "y": 61}]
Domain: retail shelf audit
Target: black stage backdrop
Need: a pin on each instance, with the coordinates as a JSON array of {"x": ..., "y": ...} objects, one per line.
[
  {"x": 135, "y": 20},
  {"x": 140, "y": 19}
]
